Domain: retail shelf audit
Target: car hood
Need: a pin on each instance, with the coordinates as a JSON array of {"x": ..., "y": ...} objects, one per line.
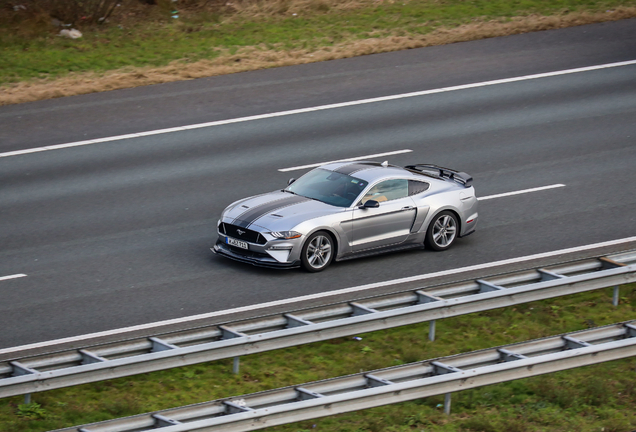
[{"x": 276, "y": 211}]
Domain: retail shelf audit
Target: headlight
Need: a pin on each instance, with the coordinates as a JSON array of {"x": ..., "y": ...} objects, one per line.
[{"x": 287, "y": 235}]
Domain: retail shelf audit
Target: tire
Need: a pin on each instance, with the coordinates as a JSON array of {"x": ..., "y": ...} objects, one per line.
[
  {"x": 442, "y": 231},
  {"x": 317, "y": 252}
]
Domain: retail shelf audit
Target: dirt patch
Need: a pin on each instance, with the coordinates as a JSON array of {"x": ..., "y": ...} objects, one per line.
[{"x": 258, "y": 57}]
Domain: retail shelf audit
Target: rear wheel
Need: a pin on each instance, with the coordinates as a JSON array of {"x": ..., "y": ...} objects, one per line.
[
  {"x": 442, "y": 231},
  {"x": 317, "y": 252}
]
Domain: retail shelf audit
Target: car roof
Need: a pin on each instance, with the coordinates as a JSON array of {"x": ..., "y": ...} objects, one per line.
[{"x": 373, "y": 171}]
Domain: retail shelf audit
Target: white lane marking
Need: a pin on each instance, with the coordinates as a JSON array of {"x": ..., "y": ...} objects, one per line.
[
  {"x": 15, "y": 276},
  {"x": 320, "y": 295},
  {"x": 520, "y": 192},
  {"x": 320, "y": 108},
  {"x": 373, "y": 156}
]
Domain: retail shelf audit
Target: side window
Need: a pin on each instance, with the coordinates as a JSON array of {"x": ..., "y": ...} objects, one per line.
[
  {"x": 416, "y": 187},
  {"x": 388, "y": 190}
]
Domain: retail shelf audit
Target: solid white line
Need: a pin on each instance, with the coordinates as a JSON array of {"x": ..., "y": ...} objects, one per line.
[
  {"x": 520, "y": 192},
  {"x": 15, "y": 276},
  {"x": 373, "y": 156},
  {"x": 320, "y": 108},
  {"x": 320, "y": 295}
]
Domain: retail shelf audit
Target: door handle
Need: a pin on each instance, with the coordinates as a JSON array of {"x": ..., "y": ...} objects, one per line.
[{"x": 408, "y": 208}]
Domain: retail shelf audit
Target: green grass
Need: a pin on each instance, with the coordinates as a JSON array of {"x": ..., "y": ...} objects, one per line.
[
  {"x": 584, "y": 399},
  {"x": 158, "y": 41}
]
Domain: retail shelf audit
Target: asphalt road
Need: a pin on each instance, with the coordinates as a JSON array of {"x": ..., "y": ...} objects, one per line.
[{"x": 118, "y": 233}]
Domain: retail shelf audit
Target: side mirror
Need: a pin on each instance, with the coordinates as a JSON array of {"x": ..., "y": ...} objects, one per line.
[
  {"x": 370, "y": 204},
  {"x": 291, "y": 180}
]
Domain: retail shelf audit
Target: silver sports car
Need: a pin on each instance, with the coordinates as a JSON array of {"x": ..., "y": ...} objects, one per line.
[{"x": 346, "y": 210}]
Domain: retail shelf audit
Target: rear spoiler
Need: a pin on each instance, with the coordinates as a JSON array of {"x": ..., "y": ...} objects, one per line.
[{"x": 460, "y": 177}]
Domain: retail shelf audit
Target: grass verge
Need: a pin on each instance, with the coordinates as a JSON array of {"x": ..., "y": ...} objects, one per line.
[
  {"x": 147, "y": 46},
  {"x": 593, "y": 398}
]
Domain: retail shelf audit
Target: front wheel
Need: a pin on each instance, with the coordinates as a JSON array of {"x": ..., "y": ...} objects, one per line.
[
  {"x": 442, "y": 231},
  {"x": 317, "y": 252}
]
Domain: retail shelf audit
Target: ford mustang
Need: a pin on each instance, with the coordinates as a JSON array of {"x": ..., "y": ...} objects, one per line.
[{"x": 345, "y": 210}]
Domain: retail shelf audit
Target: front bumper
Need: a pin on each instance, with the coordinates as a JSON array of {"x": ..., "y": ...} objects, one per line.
[{"x": 251, "y": 257}]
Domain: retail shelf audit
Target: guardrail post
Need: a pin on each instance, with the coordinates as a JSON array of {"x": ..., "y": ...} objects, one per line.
[
  {"x": 615, "y": 298},
  {"x": 431, "y": 330},
  {"x": 235, "y": 367},
  {"x": 27, "y": 398},
  {"x": 447, "y": 403}
]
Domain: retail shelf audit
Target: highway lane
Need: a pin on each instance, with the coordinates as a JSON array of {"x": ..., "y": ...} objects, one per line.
[
  {"x": 117, "y": 234},
  {"x": 238, "y": 95}
]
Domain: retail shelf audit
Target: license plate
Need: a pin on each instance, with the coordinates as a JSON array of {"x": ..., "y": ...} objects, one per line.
[{"x": 237, "y": 243}]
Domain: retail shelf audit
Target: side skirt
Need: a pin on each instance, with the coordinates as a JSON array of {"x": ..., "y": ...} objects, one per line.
[{"x": 379, "y": 251}]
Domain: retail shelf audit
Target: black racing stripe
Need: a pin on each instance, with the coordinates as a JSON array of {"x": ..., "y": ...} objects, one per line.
[
  {"x": 247, "y": 218},
  {"x": 355, "y": 167}
]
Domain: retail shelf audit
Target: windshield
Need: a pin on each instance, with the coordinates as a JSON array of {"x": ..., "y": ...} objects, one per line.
[{"x": 329, "y": 187}]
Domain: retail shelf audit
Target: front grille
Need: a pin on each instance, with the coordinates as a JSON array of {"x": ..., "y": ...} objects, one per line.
[{"x": 246, "y": 234}]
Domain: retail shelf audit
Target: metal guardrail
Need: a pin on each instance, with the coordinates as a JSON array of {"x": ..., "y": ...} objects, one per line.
[
  {"x": 80, "y": 366},
  {"x": 387, "y": 386}
]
